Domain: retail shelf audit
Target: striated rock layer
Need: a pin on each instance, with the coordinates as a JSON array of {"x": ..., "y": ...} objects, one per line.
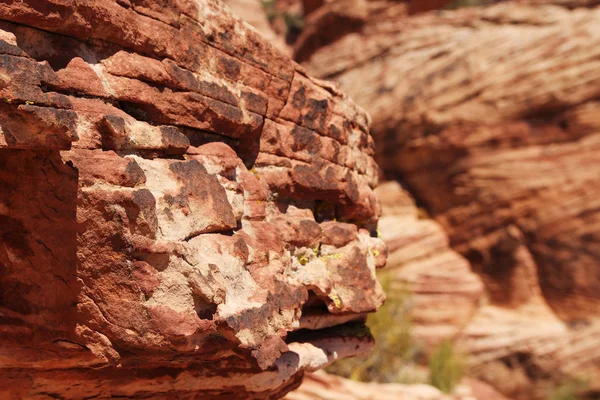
[
  {"x": 322, "y": 386},
  {"x": 489, "y": 116},
  {"x": 184, "y": 213},
  {"x": 421, "y": 262}
]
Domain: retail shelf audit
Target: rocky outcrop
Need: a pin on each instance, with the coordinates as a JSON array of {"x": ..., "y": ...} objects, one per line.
[
  {"x": 183, "y": 211},
  {"x": 489, "y": 117},
  {"x": 321, "y": 386}
]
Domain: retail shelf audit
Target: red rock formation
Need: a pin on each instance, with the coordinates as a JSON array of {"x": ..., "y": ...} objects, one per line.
[
  {"x": 182, "y": 209},
  {"x": 490, "y": 118}
]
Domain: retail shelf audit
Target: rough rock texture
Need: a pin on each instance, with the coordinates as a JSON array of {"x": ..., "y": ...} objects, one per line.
[
  {"x": 489, "y": 116},
  {"x": 183, "y": 211},
  {"x": 323, "y": 386}
]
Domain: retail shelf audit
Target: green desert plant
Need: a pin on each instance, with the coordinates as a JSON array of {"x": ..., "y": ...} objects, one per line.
[
  {"x": 394, "y": 355},
  {"x": 270, "y": 10},
  {"x": 569, "y": 390},
  {"x": 446, "y": 367},
  {"x": 294, "y": 22}
]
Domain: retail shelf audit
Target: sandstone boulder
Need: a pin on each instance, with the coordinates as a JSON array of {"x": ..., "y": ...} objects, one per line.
[{"x": 184, "y": 212}]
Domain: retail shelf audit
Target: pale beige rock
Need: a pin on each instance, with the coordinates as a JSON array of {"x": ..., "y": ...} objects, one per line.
[
  {"x": 444, "y": 292},
  {"x": 323, "y": 386}
]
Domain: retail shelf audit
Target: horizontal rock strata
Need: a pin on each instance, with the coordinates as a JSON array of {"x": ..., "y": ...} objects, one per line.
[
  {"x": 421, "y": 262},
  {"x": 184, "y": 212}
]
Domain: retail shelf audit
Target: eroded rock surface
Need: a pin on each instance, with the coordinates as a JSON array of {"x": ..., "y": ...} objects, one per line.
[
  {"x": 183, "y": 211},
  {"x": 489, "y": 116}
]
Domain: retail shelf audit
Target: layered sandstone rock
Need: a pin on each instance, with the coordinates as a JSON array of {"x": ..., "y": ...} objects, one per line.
[
  {"x": 322, "y": 386},
  {"x": 489, "y": 116},
  {"x": 421, "y": 262},
  {"x": 184, "y": 212}
]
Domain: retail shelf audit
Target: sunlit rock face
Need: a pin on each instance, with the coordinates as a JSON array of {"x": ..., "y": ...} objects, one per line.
[{"x": 184, "y": 212}]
